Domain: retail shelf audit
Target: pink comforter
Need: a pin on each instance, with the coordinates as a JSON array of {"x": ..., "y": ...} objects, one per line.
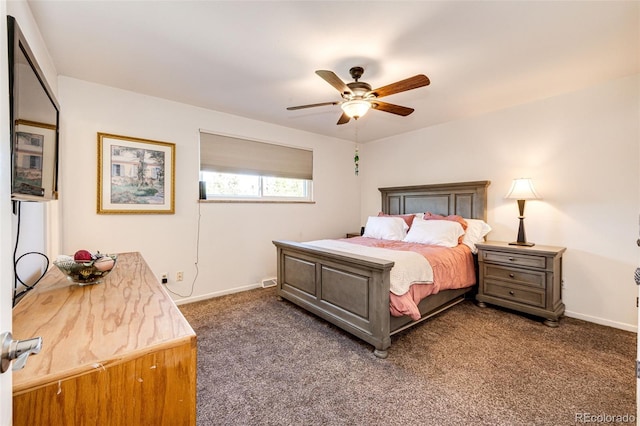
[{"x": 452, "y": 269}]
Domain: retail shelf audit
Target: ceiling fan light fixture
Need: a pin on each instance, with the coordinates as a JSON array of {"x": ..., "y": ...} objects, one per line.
[
  {"x": 358, "y": 98},
  {"x": 355, "y": 108}
]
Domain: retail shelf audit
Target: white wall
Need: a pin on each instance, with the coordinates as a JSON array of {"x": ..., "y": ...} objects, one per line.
[
  {"x": 581, "y": 149},
  {"x": 235, "y": 248}
]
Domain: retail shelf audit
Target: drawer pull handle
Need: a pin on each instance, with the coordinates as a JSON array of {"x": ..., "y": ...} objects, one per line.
[
  {"x": 511, "y": 259},
  {"x": 511, "y": 275},
  {"x": 511, "y": 292}
]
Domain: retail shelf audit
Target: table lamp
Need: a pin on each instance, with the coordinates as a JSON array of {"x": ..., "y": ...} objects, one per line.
[{"x": 522, "y": 190}]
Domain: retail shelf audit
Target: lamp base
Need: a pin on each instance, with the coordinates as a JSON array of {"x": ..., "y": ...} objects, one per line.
[{"x": 526, "y": 244}]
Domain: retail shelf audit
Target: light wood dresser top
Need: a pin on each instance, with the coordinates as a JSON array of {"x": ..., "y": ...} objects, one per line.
[{"x": 91, "y": 327}]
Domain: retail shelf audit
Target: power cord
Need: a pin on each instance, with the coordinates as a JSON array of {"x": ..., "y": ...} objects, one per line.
[
  {"x": 17, "y": 208},
  {"x": 193, "y": 283}
]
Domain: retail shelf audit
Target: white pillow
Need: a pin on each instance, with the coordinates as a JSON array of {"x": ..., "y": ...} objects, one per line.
[
  {"x": 435, "y": 232},
  {"x": 385, "y": 228},
  {"x": 476, "y": 231}
]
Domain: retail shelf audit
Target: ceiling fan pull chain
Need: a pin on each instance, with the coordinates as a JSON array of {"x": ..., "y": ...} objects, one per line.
[{"x": 356, "y": 158}]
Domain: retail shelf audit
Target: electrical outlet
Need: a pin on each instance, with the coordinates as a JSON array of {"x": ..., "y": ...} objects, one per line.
[
  {"x": 179, "y": 276},
  {"x": 164, "y": 277}
]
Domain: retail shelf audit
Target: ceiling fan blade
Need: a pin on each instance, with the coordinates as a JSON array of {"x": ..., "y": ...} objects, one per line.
[
  {"x": 410, "y": 83},
  {"x": 344, "y": 118},
  {"x": 331, "y": 78},
  {"x": 393, "y": 109},
  {"x": 312, "y": 105}
]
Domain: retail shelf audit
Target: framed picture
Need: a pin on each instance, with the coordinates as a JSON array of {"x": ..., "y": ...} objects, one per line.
[
  {"x": 135, "y": 176},
  {"x": 35, "y": 156}
]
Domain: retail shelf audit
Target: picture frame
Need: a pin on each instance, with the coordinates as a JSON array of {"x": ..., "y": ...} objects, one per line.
[
  {"x": 34, "y": 161},
  {"x": 135, "y": 176}
]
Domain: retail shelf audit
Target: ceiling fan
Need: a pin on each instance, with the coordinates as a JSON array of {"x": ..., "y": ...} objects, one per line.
[{"x": 358, "y": 98}]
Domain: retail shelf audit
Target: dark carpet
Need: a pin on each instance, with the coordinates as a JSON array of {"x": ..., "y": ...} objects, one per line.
[{"x": 267, "y": 362}]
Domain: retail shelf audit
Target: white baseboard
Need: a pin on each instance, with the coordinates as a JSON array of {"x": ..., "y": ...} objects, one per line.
[
  {"x": 186, "y": 300},
  {"x": 589, "y": 318},
  {"x": 602, "y": 321}
]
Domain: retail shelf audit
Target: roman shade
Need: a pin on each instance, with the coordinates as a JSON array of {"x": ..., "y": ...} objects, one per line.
[{"x": 226, "y": 154}]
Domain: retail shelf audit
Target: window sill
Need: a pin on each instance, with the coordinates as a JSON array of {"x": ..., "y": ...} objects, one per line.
[{"x": 258, "y": 201}]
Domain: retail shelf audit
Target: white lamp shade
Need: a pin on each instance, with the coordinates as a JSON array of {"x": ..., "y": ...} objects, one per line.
[
  {"x": 522, "y": 189},
  {"x": 356, "y": 108}
]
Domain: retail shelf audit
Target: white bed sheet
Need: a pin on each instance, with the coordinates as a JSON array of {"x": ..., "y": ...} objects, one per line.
[{"x": 409, "y": 267}]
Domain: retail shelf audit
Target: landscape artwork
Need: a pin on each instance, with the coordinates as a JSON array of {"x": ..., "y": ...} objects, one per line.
[{"x": 135, "y": 175}]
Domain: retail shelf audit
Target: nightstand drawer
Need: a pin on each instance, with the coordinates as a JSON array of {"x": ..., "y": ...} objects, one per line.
[
  {"x": 517, "y": 276},
  {"x": 514, "y": 293},
  {"x": 531, "y": 261}
]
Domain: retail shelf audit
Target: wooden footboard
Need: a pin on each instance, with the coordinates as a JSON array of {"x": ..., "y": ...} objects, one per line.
[{"x": 349, "y": 291}]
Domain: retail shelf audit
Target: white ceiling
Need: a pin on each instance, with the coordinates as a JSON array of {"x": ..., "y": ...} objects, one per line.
[{"x": 254, "y": 59}]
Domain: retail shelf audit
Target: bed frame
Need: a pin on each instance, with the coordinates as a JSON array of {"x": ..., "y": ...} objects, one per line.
[{"x": 352, "y": 291}]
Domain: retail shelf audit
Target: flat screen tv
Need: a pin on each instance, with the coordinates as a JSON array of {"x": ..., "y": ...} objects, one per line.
[{"x": 34, "y": 114}]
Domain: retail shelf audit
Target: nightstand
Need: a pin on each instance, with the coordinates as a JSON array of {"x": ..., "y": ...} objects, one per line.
[{"x": 525, "y": 279}]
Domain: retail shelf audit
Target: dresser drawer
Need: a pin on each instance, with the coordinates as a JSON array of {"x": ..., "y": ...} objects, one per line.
[
  {"x": 514, "y": 293},
  {"x": 514, "y": 275},
  {"x": 531, "y": 261}
]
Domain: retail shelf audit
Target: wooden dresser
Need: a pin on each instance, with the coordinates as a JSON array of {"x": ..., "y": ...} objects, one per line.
[
  {"x": 526, "y": 279},
  {"x": 115, "y": 353}
]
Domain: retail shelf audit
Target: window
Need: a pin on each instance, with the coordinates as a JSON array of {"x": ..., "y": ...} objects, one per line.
[
  {"x": 240, "y": 169},
  {"x": 35, "y": 141},
  {"x": 35, "y": 162}
]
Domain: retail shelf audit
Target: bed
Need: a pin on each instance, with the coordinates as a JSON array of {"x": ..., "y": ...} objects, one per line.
[{"x": 352, "y": 291}]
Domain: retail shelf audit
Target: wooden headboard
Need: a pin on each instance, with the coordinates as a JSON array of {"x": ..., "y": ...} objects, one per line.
[{"x": 467, "y": 199}]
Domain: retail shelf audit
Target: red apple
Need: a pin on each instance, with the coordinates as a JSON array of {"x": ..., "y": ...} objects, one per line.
[{"x": 83, "y": 256}]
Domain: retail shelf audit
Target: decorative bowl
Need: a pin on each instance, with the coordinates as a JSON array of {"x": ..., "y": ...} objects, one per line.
[{"x": 86, "y": 272}]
